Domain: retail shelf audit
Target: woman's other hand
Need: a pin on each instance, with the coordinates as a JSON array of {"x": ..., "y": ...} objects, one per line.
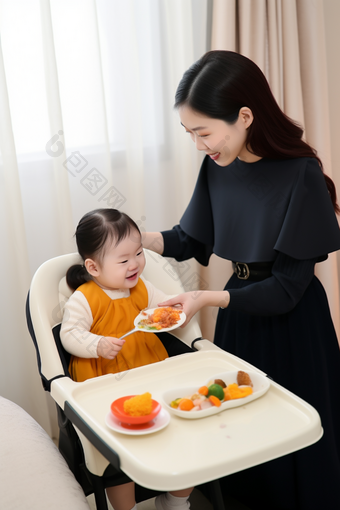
[{"x": 108, "y": 347}]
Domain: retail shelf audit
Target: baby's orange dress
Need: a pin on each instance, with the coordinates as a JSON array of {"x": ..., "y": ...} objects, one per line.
[{"x": 114, "y": 317}]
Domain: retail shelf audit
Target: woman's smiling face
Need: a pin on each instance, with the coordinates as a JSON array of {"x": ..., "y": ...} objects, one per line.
[{"x": 222, "y": 142}]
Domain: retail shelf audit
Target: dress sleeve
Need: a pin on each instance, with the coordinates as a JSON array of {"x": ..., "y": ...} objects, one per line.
[
  {"x": 75, "y": 328},
  {"x": 310, "y": 228},
  {"x": 278, "y": 294},
  {"x": 181, "y": 246}
]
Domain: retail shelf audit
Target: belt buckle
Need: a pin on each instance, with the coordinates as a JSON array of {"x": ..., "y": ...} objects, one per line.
[{"x": 242, "y": 270}]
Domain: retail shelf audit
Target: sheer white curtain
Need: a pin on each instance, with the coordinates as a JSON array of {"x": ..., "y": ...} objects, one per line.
[{"x": 87, "y": 121}]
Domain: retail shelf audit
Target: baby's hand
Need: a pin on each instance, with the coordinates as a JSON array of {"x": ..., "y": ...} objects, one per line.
[{"x": 108, "y": 347}]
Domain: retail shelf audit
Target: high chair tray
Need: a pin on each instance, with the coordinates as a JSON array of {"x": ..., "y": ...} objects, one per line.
[{"x": 189, "y": 452}]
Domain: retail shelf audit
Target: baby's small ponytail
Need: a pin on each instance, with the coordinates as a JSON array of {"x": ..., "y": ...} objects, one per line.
[{"x": 76, "y": 276}]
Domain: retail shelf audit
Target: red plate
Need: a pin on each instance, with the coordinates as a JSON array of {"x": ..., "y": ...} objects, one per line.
[{"x": 117, "y": 409}]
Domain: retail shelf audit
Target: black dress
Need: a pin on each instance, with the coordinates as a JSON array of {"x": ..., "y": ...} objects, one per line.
[{"x": 280, "y": 212}]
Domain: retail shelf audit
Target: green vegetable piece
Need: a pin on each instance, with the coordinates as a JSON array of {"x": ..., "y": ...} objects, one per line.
[
  {"x": 175, "y": 402},
  {"x": 216, "y": 390}
]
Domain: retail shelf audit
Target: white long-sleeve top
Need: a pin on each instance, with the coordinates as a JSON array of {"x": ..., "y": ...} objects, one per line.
[{"x": 77, "y": 319}]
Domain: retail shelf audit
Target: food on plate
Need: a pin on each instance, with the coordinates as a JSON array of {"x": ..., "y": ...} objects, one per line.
[
  {"x": 214, "y": 394},
  {"x": 175, "y": 403},
  {"x": 203, "y": 390},
  {"x": 140, "y": 405},
  {"x": 215, "y": 400},
  {"x": 216, "y": 390},
  {"x": 185, "y": 404},
  {"x": 161, "y": 318},
  {"x": 220, "y": 382},
  {"x": 235, "y": 391},
  {"x": 243, "y": 379}
]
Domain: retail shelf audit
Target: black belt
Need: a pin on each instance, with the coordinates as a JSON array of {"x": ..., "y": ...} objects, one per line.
[{"x": 253, "y": 271}]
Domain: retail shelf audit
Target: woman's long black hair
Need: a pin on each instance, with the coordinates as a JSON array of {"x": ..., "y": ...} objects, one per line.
[
  {"x": 221, "y": 82},
  {"x": 92, "y": 233}
]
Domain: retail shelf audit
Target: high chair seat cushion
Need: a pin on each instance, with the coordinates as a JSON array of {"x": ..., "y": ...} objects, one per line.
[{"x": 33, "y": 474}]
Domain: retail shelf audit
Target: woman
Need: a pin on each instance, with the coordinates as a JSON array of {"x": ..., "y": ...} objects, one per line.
[{"x": 262, "y": 201}]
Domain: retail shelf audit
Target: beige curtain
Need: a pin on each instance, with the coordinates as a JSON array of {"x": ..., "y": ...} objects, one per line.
[{"x": 286, "y": 39}]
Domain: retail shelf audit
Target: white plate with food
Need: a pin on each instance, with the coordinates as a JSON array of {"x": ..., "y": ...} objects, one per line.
[
  {"x": 240, "y": 389},
  {"x": 158, "y": 320},
  {"x": 163, "y": 318}
]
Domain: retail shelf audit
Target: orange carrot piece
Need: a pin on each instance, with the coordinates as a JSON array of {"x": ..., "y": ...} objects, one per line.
[
  {"x": 215, "y": 401},
  {"x": 185, "y": 404},
  {"x": 204, "y": 390}
]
